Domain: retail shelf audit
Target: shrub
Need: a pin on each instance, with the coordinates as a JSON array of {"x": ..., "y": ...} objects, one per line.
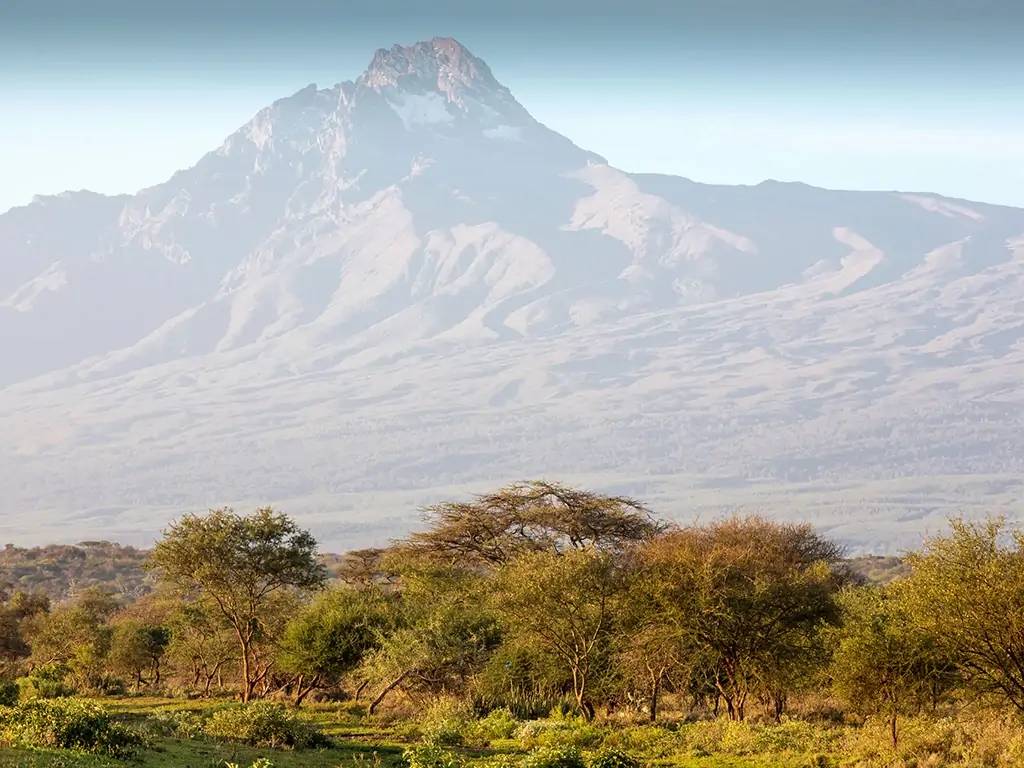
[
  {"x": 614, "y": 758},
  {"x": 264, "y": 724},
  {"x": 46, "y": 682},
  {"x": 499, "y": 724},
  {"x": 559, "y": 732},
  {"x": 446, "y": 722},
  {"x": 978, "y": 739},
  {"x": 181, "y": 723},
  {"x": 647, "y": 740},
  {"x": 431, "y": 757},
  {"x": 554, "y": 757},
  {"x": 728, "y": 737},
  {"x": 67, "y": 724},
  {"x": 8, "y": 693}
]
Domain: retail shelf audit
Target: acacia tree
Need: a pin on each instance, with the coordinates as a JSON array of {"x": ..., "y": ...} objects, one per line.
[
  {"x": 536, "y": 516},
  {"x": 75, "y": 635},
  {"x": 563, "y": 605},
  {"x": 330, "y": 637},
  {"x": 649, "y": 647},
  {"x": 16, "y": 610},
  {"x": 440, "y": 633},
  {"x": 745, "y": 597},
  {"x": 137, "y": 647},
  {"x": 240, "y": 565},
  {"x": 967, "y": 590},
  {"x": 882, "y": 661},
  {"x": 200, "y": 644}
]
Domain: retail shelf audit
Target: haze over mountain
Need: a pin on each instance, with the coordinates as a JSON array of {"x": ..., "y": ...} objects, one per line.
[{"x": 404, "y": 288}]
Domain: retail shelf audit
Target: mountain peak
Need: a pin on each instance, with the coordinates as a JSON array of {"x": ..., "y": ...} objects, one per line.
[{"x": 442, "y": 65}]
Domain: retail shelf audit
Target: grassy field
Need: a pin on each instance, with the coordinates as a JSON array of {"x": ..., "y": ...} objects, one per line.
[{"x": 355, "y": 743}]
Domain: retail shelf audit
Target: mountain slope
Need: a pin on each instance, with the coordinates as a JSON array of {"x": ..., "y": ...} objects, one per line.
[{"x": 404, "y": 286}]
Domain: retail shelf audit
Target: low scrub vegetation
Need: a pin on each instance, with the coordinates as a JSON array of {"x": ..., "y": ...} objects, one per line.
[
  {"x": 264, "y": 724},
  {"x": 74, "y": 725}
]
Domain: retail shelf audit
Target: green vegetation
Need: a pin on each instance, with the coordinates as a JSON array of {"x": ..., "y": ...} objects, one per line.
[{"x": 534, "y": 627}]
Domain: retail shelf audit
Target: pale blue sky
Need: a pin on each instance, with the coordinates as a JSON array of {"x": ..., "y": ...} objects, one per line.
[{"x": 907, "y": 94}]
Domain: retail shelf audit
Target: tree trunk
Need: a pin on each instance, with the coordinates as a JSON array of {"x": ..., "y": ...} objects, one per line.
[
  {"x": 655, "y": 691},
  {"x": 892, "y": 729},
  {"x": 360, "y": 689},
  {"x": 588, "y": 710},
  {"x": 387, "y": 689},
  {"x": 779, "y": 705},
  {"x": 302, "y": 691},
  {"x": 247, "y": 682}
]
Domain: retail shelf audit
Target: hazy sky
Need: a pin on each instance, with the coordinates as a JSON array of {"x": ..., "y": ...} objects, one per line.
[{"x": 860, "y": 94}]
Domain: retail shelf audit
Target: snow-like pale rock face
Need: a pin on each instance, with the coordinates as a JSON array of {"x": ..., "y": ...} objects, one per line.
[{"x": 404, "y": 288}]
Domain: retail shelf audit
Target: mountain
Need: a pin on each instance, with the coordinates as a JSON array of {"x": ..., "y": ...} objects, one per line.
[{"x": 405, "y": 288}]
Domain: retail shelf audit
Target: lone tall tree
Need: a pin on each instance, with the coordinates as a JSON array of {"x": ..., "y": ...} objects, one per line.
[
  {"x": 239, "y": 564},
  {"x": 537, "y": 516}
]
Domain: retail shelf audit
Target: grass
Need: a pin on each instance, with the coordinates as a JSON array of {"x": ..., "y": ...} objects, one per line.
[
  {"x": 347, "y": 750},
  {"x": 356, "y": 743}
]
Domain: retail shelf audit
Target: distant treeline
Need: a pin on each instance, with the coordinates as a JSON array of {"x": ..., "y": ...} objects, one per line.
[{"x": 61, "y": 571}]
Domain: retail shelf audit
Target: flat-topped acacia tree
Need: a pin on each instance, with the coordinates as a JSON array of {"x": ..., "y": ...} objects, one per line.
[
  {"x": 238, "y": 564},
  {"x": 536, "y": 516}
]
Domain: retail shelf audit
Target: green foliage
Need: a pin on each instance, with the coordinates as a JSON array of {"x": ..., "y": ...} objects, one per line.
[
  {"x": 966, "y": 589},
  {"x": 447, "y": 722},
  {"x": 443, "y": 631},
  {"x": 613, "y": 758},
  {"x": 260, "y": 762},
  {"x": 882, "y": 661},
  {"x": 332, "y": 635},
  {"x": 649, "y": 740},
  {"x": 49, "y": 681},
  {"x": 978, "y": 741},
  {"x": 730, "y": 737},
  {"x": 574, "y": 732},
  {"x": 431, "y": 756},
  {"x": 562, "y": 605},
  {"x": 180, "y": 723},
  {"x": 746, "y": 600},
  {"x": 239, "y": 566},
  {"x": 9, "y": 693},
  {"x": 498, "y": 724},
  {"x": 67, "y": 724},
  {"x": 137, "y": 648},
  {"x": 554, "y": 757},
  {"x": 264, "y": 724},
  {"x": 77, "y": 635}
]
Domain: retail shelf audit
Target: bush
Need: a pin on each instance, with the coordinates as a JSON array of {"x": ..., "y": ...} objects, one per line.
[
  {"x": 499, "y": 724},
  {"x": 978, "y": 739},
  {"x": 67, "y": 724},
  {"x": 8, "y": 693},
  {"x": 431, "y": 757},
  {"x": 180, "y": 723},
  {"x": 446, "y": 722},
  {"x": 647, "y": 740},
  {"x": 559, "y": 732},
  {"x": 46, "y": 682},
  {"x": 728, "y": 737},
  {"x": 554, "y": 757},
  {"x": 614, "y": 758},
  {"x": 264, "y": 724}
]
